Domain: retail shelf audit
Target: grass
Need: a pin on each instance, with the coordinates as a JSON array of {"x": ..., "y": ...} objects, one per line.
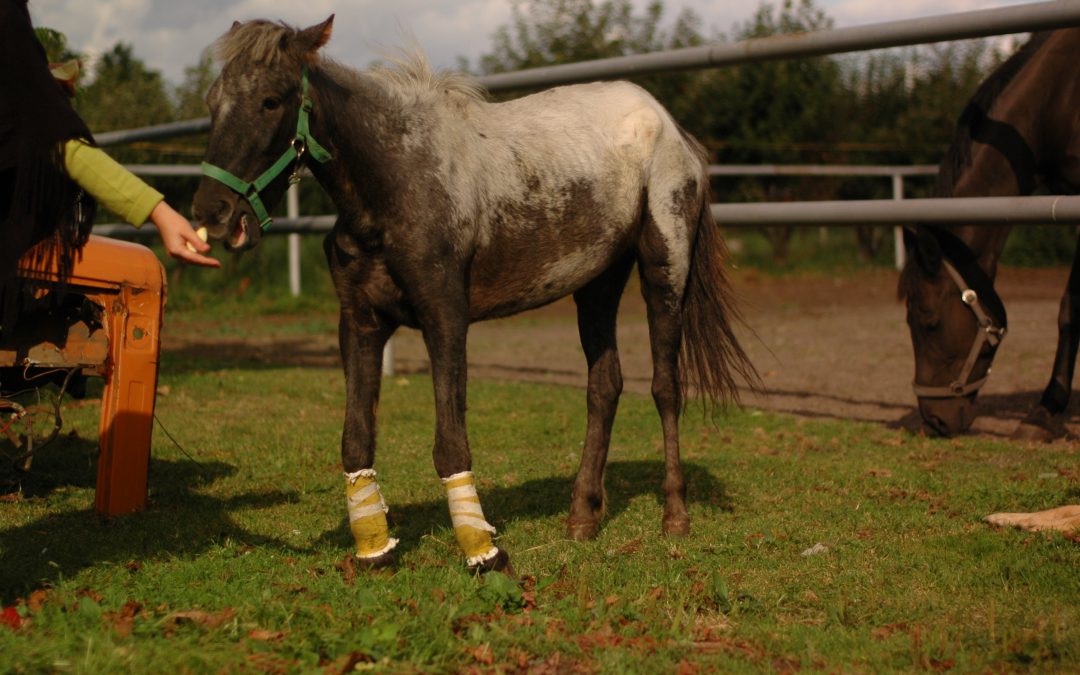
[{"x": 241, "y": 561}]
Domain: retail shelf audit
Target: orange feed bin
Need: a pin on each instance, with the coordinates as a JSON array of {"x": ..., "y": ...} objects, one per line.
[{"x": 115, "y": 300}]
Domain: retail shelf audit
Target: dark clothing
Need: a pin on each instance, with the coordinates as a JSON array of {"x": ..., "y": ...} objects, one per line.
[{"x": 37, "y": 199}]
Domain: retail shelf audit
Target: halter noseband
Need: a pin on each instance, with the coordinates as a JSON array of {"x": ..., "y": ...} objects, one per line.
[
  {"x": 302, "y": 142},
  {"x": 987, "y": 332}
]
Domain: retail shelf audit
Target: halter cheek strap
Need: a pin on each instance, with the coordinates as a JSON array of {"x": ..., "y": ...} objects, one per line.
[
  {"x": 987, "y": 333},
  {"x": 302, "y": 143}
]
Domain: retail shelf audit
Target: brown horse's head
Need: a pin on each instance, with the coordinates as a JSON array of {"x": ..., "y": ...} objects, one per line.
[
  {"x": 956, "y": 321},
  {"x": 254, "y": 108}
]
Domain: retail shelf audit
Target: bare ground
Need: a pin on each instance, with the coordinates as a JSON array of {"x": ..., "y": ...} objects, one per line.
[{"x": 834, "y": 347}]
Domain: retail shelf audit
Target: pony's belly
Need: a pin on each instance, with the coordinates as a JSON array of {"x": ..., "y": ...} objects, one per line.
[{"x": 501, "y": 286}]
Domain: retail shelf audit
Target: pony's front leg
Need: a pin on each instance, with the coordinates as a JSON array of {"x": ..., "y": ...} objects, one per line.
[
  {"x": 1046, "y": 421},
  {"x": 362, "y": 342},
  {"x": 445, "y": 326}
]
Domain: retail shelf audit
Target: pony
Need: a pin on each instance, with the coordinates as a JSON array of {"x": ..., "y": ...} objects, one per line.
[
  {"x": 1017, "y": 135},
  {"x": 454, "y": 209}
]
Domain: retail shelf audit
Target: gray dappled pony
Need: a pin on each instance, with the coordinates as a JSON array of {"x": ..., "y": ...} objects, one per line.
[{"x": 452, "y": 209}]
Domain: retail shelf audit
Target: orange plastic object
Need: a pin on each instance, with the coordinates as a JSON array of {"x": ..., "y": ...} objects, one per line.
[{"x": 127, "y": 282}]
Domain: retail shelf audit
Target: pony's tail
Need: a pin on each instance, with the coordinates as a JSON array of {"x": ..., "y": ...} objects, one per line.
[{"x": 711, "y": 359}]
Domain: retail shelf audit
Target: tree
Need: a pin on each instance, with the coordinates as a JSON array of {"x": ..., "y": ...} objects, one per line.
[
  {"x": 775, "y": 112},
  {"x": 124, "y": 93},
  {"x": 191, "y": 94}
]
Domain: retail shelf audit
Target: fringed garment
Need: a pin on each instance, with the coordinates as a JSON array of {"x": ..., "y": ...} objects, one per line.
[{"x": 38, "y": 202}]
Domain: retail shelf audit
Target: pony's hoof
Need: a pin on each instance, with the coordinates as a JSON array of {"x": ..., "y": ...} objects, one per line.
[
  {"x": 1040, "y": 426},
  {"x": 376, "y": 562},
  {"x": 500, "y": 562},
  {"x": 582, "y": 531},
  {"x": 677, "y": 527}
]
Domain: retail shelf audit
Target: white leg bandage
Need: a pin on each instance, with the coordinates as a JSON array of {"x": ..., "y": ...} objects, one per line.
[
  {"x": 367, "y": 514},
  {"x": 472, "y": 531}
]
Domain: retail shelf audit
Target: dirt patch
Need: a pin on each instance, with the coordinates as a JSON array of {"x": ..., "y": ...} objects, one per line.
[{"x": 834, "y": 347}]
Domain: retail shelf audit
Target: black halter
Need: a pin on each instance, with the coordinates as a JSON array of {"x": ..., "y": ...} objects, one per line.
[{"x": 977, "y": 292}]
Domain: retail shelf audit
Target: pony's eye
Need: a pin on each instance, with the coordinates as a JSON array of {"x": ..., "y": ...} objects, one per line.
[{"x": 271, "y": 103}]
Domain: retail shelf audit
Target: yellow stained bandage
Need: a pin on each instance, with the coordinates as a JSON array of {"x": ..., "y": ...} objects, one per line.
[
  {"x": 472, "y": 531},
  {"x": 367, "y": 514}
]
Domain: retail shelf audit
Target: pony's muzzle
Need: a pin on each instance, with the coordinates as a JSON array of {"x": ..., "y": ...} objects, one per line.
[
  {"x": 226, "y": 217},
  {"x": 947, "y": 417}
]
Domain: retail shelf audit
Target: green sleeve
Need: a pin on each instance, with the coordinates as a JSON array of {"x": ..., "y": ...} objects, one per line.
[{"x": 115, "y": 188}]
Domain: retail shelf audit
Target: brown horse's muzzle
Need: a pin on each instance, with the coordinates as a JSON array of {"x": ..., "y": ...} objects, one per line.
[
  {"x": 947, "y": 416},
  {"x": 226, "y": 216}
]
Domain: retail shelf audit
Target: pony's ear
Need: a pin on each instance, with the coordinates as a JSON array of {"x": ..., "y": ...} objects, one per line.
[
  {"x": 310, "y": 40},
  {"x": 927, "y": 252}
]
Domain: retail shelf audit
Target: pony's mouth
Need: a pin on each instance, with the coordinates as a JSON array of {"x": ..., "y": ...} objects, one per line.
[{"x": 239, "y": 236}]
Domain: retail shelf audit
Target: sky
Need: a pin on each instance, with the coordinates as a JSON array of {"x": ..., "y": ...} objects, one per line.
[{"x": 168, "y": 35}]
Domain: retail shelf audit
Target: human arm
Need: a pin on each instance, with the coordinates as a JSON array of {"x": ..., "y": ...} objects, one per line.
[{"x": 123, "y": 193}]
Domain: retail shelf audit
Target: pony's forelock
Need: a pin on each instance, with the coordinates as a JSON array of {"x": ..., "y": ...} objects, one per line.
[{"x": 258, "y": 40}]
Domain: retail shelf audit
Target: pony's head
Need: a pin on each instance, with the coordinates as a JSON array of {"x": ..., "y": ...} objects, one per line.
[
  {"x": 956, "y": 321},
  {"x": 256, "y": 119}
]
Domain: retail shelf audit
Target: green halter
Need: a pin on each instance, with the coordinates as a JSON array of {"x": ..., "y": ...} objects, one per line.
[{"x": 301, "y": 143}]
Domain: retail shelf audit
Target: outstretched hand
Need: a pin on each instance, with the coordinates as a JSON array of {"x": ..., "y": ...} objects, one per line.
[{"x": 179, "y": 237}]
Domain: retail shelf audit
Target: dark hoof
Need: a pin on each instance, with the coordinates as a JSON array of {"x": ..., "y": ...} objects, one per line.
[
  {"x": 500, "y": 562},
  {"x": 677, "y": 527},
  {"x": 376, "y": 563},
  {"x": 582, "y": 531},
  {"x": 1040, "y": 426}
]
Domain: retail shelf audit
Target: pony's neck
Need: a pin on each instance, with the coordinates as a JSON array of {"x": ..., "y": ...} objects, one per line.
[{"x": 348, "y": 108}]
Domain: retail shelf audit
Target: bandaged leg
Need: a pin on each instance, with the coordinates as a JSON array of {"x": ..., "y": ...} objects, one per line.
[
  {"x": 367, "y": 515},
  {"x": 472, "y": 531}
]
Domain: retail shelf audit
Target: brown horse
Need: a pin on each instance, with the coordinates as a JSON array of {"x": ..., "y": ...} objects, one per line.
[
  {"x": 1017, "y": 135},
  {"x": 453, "y": 209}
]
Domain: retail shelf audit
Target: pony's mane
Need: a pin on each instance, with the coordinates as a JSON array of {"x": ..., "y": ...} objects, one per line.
[
  {"x": 407, "y": 73},
  {"x": 958, "y": 156},
  {"x": 259, "y": 40}
]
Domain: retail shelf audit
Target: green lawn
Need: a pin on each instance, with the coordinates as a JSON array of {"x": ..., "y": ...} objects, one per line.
[{"x": 816, "y": 545}]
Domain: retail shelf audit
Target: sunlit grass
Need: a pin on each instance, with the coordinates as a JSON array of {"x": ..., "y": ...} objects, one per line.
[{"x": 242, "y": 558}]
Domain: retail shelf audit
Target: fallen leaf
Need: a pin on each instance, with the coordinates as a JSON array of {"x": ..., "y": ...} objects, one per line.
[
  {"x": 265, "y": 635},
  {"x": 348, "y": 570},
  {"x": 199, "y": 618},
  {"x": 483, "y": 654},
  {"x": 36, "y": 600},
  {"x": 11, "y": 618},
  {"x": 123, "y": 621}
]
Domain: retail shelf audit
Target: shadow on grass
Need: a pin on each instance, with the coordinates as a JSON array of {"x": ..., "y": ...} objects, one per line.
[
  {"x": 547, "y": 497},
  {"x": 179, "y": 521},
  {"x": 1011, "y": 407}
]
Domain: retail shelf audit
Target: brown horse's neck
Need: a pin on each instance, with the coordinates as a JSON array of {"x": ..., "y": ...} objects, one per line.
[{"x": 1011, "y": 138}]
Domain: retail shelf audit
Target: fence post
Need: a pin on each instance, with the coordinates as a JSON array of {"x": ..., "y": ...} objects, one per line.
[
  {"x": 292, "y": 207},
  {"x": 898, "y": 230}
]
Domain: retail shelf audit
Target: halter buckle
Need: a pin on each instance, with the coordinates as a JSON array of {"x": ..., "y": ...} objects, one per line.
[{"x": 969, "y": 297}]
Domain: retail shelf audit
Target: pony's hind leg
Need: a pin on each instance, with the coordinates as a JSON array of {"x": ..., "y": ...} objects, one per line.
[
  {"x": 597, "y": 306},
  {"x": 662, "y": 287}
]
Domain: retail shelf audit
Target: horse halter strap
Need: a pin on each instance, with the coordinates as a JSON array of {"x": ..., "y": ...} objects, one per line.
[
  {"x": 302, "y": 142},
  {"x": 987, "y": 333}
]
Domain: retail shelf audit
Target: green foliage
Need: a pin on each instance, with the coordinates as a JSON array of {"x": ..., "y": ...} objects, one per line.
[
  {"x": 1040, "y": 246},
  {"x": 55, "y": 44},
  {"x": 191, "y": 94},
  {"x": 124, "y": 93}
]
